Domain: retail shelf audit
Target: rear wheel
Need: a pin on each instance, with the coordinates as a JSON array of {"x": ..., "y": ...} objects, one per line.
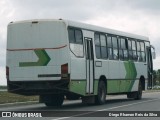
[
  {"x": 139, "y": 92},
  {"x": 101, "y": 96},
  {"x": 53, "y": 100},
  {"x": 136, "y": 95}
]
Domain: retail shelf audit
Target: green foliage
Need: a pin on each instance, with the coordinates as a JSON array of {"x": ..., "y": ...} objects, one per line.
[{"x": 156, "y": 77}]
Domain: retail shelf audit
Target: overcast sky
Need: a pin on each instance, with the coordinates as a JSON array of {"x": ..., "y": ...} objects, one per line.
[{"x": 135, "y": 16}]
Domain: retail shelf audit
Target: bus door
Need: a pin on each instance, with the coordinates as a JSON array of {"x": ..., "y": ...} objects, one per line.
[
  {"x": 89, "y": 65},
  {"x": 149, "y": 67}
]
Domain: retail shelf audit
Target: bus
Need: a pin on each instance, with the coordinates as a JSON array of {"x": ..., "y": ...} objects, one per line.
[{"x": 61, "y": 59}]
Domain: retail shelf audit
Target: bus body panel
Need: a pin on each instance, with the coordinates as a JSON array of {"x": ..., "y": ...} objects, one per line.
[
  {"x": 122, "y": 76},
  {"x": 36, "y": 50}
]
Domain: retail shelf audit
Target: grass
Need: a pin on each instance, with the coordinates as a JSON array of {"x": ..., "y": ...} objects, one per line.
[{"x": 6, "y": 97}]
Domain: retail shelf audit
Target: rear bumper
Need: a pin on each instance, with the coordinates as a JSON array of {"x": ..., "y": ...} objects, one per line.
[{"x": 38, "y": 87}]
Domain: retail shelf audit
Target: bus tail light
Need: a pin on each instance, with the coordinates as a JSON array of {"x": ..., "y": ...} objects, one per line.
[{"x": 64, "y": 71}]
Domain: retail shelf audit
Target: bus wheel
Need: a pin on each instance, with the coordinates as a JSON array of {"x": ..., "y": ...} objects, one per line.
[
  {"x": 101, "y": 96},
  {"x": 138, "y": 95},
  {"x": 54, "y": 100}
]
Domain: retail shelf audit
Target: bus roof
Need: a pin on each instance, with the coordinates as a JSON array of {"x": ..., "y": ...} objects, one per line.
[
  {"x": 90, "y": 27},
  {"x": 105, "y": 30}
]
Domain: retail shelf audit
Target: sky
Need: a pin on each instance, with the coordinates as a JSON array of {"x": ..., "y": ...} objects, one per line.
[{"x": 140, "y": 17}]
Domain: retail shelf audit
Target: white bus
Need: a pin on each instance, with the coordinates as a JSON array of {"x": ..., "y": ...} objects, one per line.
[{"x": 62, "y": 59}]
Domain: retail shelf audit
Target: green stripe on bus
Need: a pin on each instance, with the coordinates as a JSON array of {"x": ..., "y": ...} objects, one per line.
[
  {"x": 43, "y": 59},
  {"x": 131, "y": 73},
  {"x": 78, "y": 87}
]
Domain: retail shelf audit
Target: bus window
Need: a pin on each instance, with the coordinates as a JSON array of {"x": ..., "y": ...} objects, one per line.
[
  {"x": 97, "y": 45},
  {"x": 123, "y": 44},
  {"x": 109, "y": 46},
  {"x": 129, "y": 45},
  {"x": 138, "y": 46},
  {"x": 134, "y": 50},
  {"x": 96, "y": 39},
  {"x": 71, "y": 35},
  {"x": 123, "y": 49},
  {"x": 76, "y": 42},
  {"x": 138, "y": 51},
  {"x": 133, "y": 45},
  {"x": 130, "y": 50},
  {"x": 125, "y": 52},
  {"x": 103, "y": 46},
  {"x": 120, "y": 50},
  {"x": 143, "y": 58},
  {"x": 142, "y": 46},
  {"x": 78, "y": 35},
  {"x": 141, "y": 51},
  {"x": 115, "y": 48},
  {"x": 100, "y": 46}
]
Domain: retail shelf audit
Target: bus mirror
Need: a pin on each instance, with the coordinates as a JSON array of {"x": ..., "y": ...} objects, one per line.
[
  {"x": 153, "y": 52},
  {"x": 153, "y": 55}
]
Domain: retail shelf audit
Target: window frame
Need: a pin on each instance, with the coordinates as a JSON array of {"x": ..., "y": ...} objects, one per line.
[
  {"x": 134, "y": 50},
  {"x": 140, "y": 51},
  {"x": 113, "y": 48},
  {"x": 123, "y": 48},
  {"x": 99, "y": 45},
  {"x": 120, "y": 48},
  {"x": 104, "y": 46},
  {"x": 74, "y": 29}
]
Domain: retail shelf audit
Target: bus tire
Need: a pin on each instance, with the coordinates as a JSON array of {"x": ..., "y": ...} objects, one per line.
[
  {"x": 100, "y": 98},
  {"x": 138, "y": 95},
  {"x": 54, "y": 100}
]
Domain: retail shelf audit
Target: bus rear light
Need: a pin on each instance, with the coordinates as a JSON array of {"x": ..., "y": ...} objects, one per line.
[{"x": 64, "y": 70}]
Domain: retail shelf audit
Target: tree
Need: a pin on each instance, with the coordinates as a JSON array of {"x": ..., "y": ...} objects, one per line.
[
  {"x": 158, "y": 76},
  {"x": 154, "y": 77}
]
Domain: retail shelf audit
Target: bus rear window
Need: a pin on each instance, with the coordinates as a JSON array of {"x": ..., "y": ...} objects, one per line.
[
  {"x": 78, "y": 36},
  {"x": 76, "y": 41},
  {"x": 75, "y": 36},
  {"x": 71, "y": 35}
]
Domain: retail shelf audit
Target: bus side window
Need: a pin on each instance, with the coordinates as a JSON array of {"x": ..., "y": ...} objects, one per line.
[
  {"x": 141, "y": 51},
  {"x": 109, "y": 47},
  {"x": 134, "y": 49},
  {"x": 103, "y": 46},
  {"x": 97, "y": 45},
  {"x": 130, "y": 50},
  {"x": 76, "y": 42},
  {"x": 78, "y": 36},
  {"x": 120, "y": 50},
  {"x": 71, "y": 36},
  {"x": 123, "y": 49},
  {"x": 138, "y": 51},
  {"x": 115, "y": 48},
  {"x": 143, "y": 57}
]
